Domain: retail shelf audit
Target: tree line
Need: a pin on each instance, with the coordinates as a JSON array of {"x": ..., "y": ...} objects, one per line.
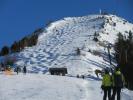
[
  {"x": 124, "y": 56},
  {"x": 17, "y": 46}
]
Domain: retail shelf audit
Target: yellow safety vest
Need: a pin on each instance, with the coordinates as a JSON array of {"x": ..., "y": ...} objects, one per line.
[{"x": 106, "y": 80}]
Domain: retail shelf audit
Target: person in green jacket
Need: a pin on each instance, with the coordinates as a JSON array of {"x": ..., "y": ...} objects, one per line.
[
  {"x": 106, "y": 85},
  {"x": 117, "y": 83}
]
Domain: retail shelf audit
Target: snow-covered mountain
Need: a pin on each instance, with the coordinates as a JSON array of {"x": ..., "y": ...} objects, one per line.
[
  {"x": 56, "y": 47},
  {"x": 58, "y": 43}
]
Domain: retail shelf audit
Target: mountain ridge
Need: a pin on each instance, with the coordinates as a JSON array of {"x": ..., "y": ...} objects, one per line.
[{"x": 56, "y": 46}]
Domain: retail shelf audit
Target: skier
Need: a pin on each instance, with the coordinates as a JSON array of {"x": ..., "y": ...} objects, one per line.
[
  {"x": 17, "y": 70},
  {"x": 24, "y": 70},
  {"x": 106, "y": 85},
  {"x": 77, "y": 75},
  {"x": 83, "y": 77},
  {"x": 78, "y": 51},
  {"x": 117, "y": 83},
  {"x": 2, "y": 67}
]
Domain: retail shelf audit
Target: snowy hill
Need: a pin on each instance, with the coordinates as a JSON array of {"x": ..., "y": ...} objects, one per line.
[
  {"x": 57, "y": 45},
  {"x": 47, "y": 87}
]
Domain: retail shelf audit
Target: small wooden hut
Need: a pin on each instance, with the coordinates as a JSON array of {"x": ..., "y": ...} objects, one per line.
[{"x": 58, "y": 71}]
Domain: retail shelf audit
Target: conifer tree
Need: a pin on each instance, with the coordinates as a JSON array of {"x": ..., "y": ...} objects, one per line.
[
  {"x": 5, "y": 51},
  {"x": 124, "y": 57},
  {"x": 15, "y": 47}
]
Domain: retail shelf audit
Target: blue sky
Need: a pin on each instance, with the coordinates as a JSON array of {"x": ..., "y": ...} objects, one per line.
[{"x": 21, "y": 17}]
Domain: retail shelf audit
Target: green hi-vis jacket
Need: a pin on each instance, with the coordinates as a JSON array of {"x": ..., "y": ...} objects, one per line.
[{"x": 106, "y": 80}]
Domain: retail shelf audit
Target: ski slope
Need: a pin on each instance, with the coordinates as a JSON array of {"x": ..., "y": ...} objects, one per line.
[
  {"x": 57, "y": 45},
  {"x": 47, "y": 87}
]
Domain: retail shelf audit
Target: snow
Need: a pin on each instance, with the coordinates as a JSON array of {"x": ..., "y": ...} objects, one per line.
[
  {"x": 114, "y": 30},
  {"x": 47, "y": 87},
  {"x": 57, "y": 45},
  {"x": 40, "y": 87}
]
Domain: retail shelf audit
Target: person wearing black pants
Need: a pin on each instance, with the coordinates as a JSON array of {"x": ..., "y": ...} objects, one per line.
[
  {"x": 25, "y": 70},
  {"x": 116, "y": 90},
  {"x": 107, "y": 91},
  {"x": 117, "y": 84},
  {"x": 106, "y": 85}
]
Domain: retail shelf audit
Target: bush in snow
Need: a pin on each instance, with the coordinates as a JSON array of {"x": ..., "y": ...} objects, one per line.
[
  {"x": 95, "y": 39},
  {"x": 114, "y": 24},
  {"x": 103, "y": 25}
]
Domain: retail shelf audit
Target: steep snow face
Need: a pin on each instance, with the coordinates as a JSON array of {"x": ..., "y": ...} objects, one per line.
[{"x": 57, "y": 45}]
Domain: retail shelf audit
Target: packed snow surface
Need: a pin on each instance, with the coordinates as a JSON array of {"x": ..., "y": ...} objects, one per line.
[{"x": 47, "y": 87}]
